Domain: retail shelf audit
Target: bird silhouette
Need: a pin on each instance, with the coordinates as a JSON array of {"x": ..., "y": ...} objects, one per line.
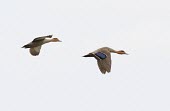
[
  {"x": 36, "y": 44},
  {"x": 103, "y": 57}
]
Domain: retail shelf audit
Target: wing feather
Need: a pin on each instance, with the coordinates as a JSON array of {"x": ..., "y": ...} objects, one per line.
[
  {"x": 41, "y": 38},
  {"x": 105, "y": 64},
  {"x": 101, "y": 66},
  {"x": 35, "y": 50}
]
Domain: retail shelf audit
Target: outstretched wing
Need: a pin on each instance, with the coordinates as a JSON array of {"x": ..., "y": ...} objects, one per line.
[
  {"x": 104, "y": 62},
  {"x": 101, "y": 66},
  {"x": 35, "y": 50},
  {"x": 41, "y": 38}
]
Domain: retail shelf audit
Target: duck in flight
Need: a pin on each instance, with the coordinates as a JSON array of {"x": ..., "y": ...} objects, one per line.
[
  {"x": 103, "y": 57},
  {"x": 36, "y": 44}
]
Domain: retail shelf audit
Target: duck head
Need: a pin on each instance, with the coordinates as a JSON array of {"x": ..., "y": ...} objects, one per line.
[
  {"x": 121, "y": 52},
  {"x": 55, "y": 40}
]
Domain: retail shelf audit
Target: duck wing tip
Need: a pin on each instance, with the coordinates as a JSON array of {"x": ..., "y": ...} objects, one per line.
[{"x": 49, "y": 36}]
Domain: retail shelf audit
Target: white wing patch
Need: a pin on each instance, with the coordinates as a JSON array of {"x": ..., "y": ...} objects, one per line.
[{"x": 35, "y": 50}]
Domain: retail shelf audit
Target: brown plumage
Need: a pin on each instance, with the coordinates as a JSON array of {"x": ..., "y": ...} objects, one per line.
[
  {"x": 36, "y": 44},
  {"x": 103, "y": 57}
]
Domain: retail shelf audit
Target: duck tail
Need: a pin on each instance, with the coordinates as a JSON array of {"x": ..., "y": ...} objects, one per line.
[
  {"x": 26, "y": 46},
  {"x": 89, "y": 55}
]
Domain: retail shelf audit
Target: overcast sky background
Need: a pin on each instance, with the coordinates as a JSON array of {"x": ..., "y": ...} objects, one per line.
[{"x": 60, "y": 79}]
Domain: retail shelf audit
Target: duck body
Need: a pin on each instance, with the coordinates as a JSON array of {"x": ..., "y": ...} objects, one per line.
[
  {"x": 36, "y": 44},
  {"x": 103, "y": 57}
]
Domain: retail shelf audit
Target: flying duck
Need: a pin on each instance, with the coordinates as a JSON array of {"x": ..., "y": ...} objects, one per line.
[
  {"x": 103, "y": 57},
  {"x": 36, "y": 44}
]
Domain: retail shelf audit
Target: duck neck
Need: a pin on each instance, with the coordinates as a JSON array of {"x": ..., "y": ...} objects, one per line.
[
  {"x": 112, "y": 50},
  {"x": 47, "y": 40}
]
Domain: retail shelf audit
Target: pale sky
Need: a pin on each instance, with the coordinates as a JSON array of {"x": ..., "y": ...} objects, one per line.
[{"x": 60, "y": 79}]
